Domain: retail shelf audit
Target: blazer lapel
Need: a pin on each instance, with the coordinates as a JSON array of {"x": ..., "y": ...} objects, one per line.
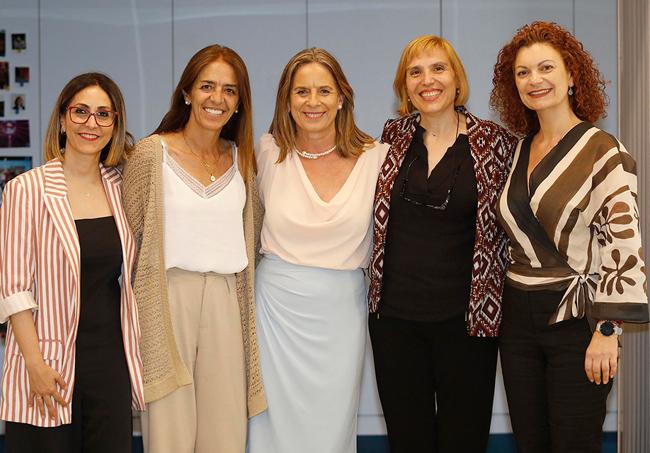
[
  {"x": 58, "y": 207},
  {"x": 111, "y": 179}
]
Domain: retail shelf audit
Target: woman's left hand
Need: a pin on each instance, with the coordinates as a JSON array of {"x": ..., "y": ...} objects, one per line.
[{"x": 601, "y": 358}]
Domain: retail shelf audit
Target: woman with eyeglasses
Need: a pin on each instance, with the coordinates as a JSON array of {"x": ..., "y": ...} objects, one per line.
[
  {"x": 72, "y": 369},
  {"x": 438, "y": 263}
]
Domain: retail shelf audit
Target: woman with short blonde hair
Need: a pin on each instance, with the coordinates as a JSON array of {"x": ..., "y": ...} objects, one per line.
[{"x": 438, "y": 263}]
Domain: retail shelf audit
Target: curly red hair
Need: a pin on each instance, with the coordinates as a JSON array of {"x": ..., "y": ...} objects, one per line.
[{"x": 589, "y": 99}]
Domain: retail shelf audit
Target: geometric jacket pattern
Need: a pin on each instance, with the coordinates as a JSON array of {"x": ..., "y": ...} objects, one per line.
[{"x": 492, "y": 148}]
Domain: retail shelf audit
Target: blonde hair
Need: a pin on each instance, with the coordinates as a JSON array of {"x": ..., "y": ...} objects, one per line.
[
  {"x": 121, "y": 143},
  {"x": 423, "y": 44},
  {"x": 350, "y": 140}
]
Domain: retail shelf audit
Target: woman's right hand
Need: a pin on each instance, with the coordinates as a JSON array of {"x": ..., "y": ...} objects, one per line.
[{"x": 43, "y": 391}]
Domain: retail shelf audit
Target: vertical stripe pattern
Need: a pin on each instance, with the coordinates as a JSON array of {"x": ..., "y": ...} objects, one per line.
[{"x": 39, "y": 268}]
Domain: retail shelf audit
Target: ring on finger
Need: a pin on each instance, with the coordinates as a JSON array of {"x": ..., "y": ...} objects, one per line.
[{"x": 38, "y": 397}]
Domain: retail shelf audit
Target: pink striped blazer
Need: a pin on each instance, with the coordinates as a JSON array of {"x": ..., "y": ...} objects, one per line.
[{"x": 39, "y": 270}]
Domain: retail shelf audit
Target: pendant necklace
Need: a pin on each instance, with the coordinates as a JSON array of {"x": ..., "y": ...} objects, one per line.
[{"x": 208, "y": 168}]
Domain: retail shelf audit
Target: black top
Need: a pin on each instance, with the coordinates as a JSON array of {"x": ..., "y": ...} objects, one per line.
[
  {"x": 101, "y": 267},
  {"x": 428, "y": 259}
]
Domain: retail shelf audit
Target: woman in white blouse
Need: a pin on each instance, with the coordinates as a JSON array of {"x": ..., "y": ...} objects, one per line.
[
  {"x": 189, "y": 193},
  {"x": 317, "y": 175}
]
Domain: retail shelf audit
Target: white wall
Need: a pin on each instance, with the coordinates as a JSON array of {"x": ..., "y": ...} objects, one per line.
[{"x": 145, "y": 44}]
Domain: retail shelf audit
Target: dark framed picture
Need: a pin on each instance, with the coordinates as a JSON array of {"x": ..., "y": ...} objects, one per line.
[
  {"x": 4, "y": 75},
  {"x": 14, "y": 134},
  {"x": 2, "y": 108},
  {"x": 22, "y": 75},
  {"x": 18, "y": 103},
  {"x": 12, "y": 166},
  {"x": 3, "y": 43},
  {"x": 18, "y": 42}
]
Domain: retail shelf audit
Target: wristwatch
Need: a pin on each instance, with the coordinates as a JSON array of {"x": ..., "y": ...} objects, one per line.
[{"x": 607, "y": 327}]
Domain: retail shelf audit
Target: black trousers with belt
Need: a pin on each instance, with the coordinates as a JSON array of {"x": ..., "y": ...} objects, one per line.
[
  {"x": 436, "y": 384},
  {"x": 553, "y": 406}
]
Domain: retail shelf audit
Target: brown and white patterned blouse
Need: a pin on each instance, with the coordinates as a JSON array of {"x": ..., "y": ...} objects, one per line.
[{"x": 575, "y": 227}]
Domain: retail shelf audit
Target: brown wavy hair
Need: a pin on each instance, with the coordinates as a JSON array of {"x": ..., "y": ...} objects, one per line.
[
  {"x": 589, "y": 98},
  {"x": 423, "y": 44},
  {"x": 350, "y": 140},
  {"x": 121, "y": 143},
  {"x": 239, "y": 128}
]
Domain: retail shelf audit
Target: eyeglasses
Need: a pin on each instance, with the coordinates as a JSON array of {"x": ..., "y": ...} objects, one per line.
[
  {"x": 412, "y": 197},
  {"x": 81, "y": 115}
]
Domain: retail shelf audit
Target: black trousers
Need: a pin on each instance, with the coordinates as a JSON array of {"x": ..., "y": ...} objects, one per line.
[
  {"x": 553, "y": 406},
  {"x": 101, "y": 411},
  {"x": 436, "y": 384}
]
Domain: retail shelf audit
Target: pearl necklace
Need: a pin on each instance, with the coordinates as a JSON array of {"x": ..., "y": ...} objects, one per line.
[{"x": 307, "y": 155}]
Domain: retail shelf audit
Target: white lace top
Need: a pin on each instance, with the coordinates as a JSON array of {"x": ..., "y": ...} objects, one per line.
[{"x": 203, "y": 226}]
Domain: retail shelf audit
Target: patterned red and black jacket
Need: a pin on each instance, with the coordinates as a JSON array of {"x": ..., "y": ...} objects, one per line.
[{"x": 492, "y": 148}]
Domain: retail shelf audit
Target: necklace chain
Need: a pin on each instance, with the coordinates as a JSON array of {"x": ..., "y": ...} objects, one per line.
[
  {"x": 208, "y": 168},
  {"x": 457, "y": 127},
  {"x": 308, "y": 155}
]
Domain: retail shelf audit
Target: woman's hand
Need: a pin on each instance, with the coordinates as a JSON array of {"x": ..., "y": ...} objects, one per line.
[
  {"x": 601, "y": 358},
  {"x": 43, "y": 382}
]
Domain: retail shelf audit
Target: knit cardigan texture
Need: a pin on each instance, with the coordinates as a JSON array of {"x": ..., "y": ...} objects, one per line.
[{"x": 164, "y": 370}]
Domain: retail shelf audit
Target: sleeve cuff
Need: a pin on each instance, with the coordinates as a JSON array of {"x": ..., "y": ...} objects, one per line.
[
  {"x": 16, "y": 303},
  {"x": 621, "y": 311}
]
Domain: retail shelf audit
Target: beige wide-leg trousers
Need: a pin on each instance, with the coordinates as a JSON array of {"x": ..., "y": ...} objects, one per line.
[{"x": 209, "y": 415}]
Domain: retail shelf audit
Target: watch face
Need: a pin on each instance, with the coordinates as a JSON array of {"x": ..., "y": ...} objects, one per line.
[{"x": 607, "y": 328}]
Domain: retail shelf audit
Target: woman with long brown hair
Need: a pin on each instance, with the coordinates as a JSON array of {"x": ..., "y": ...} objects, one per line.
[
  {"x": 317, "y": 175},
  {"x": 190, "y": 196}
]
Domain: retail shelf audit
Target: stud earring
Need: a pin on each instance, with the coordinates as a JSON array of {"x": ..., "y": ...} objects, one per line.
[
  {"x": 340, "y": 106},
  {"x": 570, "y": 91},
  {"x": 236, "y": 110},
  {"x": 187, "y": 102}
]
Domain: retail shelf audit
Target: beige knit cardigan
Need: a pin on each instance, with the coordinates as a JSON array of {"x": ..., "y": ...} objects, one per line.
[{"x": 164, "y": 370}]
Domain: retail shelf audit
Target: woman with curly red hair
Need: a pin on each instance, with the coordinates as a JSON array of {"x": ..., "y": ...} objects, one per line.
[{"x": 577, "y": 270}]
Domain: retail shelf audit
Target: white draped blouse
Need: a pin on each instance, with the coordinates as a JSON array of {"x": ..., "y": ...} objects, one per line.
[{"x": 300, "y": 227}]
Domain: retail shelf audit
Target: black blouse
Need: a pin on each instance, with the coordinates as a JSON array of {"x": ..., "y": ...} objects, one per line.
[
  {"x": 101, "y": 267},
  {"x": 428, "y": 260}
]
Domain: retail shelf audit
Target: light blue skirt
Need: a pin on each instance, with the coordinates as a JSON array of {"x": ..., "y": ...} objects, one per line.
[{"x": 311, "y": 331}]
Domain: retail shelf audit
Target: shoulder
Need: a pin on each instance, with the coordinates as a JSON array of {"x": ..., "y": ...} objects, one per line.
[
  {"x": 606, "y": 151},
  {"x": 377, "y": 150},
  {"x": 395, "y": 127},
  {"x": 267, "y": 149},
  {"x": 146, "y": 152},
  {"x": 487, "y": 138},
  {"x": 26, "y": 186},
  {"x": 601, "y": 138},
  {"x": 149, "y": 144},
  {"x": 489, "y": 128},
  {"x": 28, "y": 180}
]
